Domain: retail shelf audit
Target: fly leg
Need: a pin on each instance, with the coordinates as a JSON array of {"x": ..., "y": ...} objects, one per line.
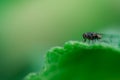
[
  {"x": 89, "y": 41},
  {"x": 85, "y": 40}
]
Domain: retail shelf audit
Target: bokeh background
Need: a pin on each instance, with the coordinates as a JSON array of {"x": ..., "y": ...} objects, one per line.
[{"x": 28, "y": 28}]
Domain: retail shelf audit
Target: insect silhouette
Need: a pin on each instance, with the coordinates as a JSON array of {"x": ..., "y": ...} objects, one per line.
[{"x": 91, "y": 36}]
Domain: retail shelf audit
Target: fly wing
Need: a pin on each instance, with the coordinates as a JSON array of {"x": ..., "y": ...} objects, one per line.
[
  {"x": 110, "y": 38},
  {"x": 110, "y": 35}
]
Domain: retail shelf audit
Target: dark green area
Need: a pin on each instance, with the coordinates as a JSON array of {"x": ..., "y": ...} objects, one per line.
[{"x": 81, "y": 61}]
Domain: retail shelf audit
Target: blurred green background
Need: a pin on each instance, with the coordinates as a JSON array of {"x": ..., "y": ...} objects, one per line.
[{"x": 28, "y": 28}]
